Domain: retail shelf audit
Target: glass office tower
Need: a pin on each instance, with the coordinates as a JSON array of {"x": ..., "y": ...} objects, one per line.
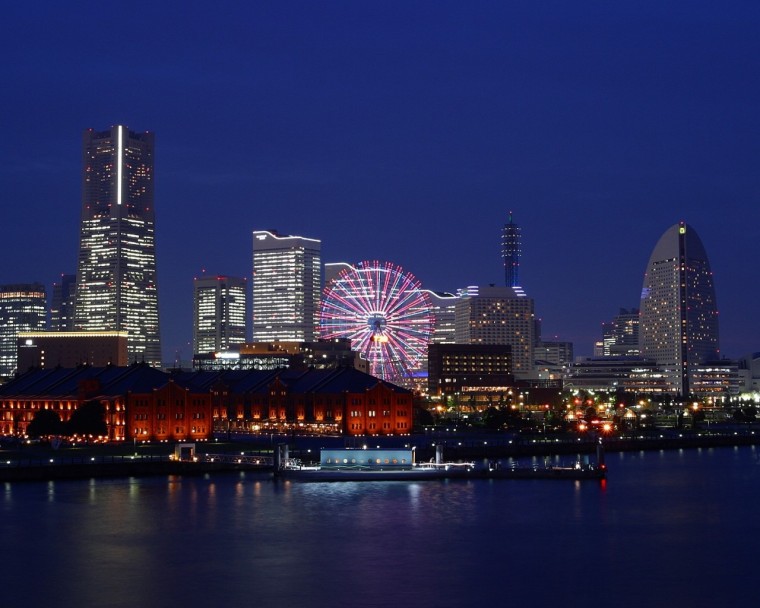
[
  {"x": 116, "y": 277},
  {"x": 219, "y": 319},
  {"x": 287, "y": 282},
  {"x": 23, "y": 307}
]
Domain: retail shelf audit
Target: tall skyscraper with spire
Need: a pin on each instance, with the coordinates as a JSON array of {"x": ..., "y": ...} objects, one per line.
[
  {"x": 117, "y": 286},
  {"x": 510, "y": 252},
  {"x": 678, "y": 319}
]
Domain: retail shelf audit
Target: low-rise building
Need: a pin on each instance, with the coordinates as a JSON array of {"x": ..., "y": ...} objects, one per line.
[
  {"x": 46, "y": 349},
  {"x": 321, "y": 354},
  {"x": 467, "y": 368},
  {"x": 143, "y": 403}
]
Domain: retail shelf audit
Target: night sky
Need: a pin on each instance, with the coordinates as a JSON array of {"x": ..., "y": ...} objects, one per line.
[{"x": 400, "y": 131}]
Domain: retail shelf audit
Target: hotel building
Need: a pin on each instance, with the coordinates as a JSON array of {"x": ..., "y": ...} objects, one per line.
[
  {"x": 498, "y": 316},
  {"x": 469, "y": 369},
  {"x": 50, "y": 349},
  {"x": 678, "y": 322},
  {"x": 287, "y": 281}
]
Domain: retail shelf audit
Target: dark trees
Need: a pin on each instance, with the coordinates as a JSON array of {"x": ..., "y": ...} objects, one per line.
[
  {"x": 45, "y": 422},
  {"x": 88, "y": 419}
]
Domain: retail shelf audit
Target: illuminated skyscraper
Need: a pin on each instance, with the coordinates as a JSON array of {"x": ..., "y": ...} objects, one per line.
[
  {"x": 219, "y": 319},
  {"x": 510, "y": 252},
  {"x": 62, "y": 303},
  {"x": 287, "y": 282},
  {"x": 23, "y": 307},
  {"x": 678, "y": 322},
  {"x": 444, "y": 316},
  {"x": 116, "y": 278},
  {"x": 498, "y": 316},
  {"x": 620, "y": 337}
]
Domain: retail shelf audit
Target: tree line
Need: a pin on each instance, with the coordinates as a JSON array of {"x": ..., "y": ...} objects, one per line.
[{"x": 87, "y": 419}]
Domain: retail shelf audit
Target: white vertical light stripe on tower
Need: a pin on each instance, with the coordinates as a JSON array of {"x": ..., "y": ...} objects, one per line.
[
  {"x": 118, "y": 168},
  {"x": 117, "y": 259}
]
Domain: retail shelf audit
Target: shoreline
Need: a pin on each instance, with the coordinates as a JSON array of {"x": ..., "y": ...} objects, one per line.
[
  {"x": 611, "y": 444},
  {"x": 64, "y": 467}
]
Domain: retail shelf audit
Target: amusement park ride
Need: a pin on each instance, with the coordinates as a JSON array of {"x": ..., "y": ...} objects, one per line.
[{"x": 385, "y": 313}]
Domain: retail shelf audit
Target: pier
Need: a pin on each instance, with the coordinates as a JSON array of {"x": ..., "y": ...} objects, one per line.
[{"x": 43, "y": 463}]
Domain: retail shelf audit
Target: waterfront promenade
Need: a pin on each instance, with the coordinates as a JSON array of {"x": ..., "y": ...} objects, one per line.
[{"x": 248, "y": 452}]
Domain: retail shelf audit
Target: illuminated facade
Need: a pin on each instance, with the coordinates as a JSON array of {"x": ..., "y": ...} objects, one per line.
[
  {"x": 715, "y": 379},
  {"x": 287, "y": 281},
  {"x": 469, "y": 369},
  {"x": 23, "y": 307},
  {"x": 498, "y": 316},
  {"x": 140, "y": 402},
  {"x": 678, "y": 323},
  {"x": 444, "y": 316},
  {"x": 632, "y": 374},
  {"x": 49, "y": 349},
  {"x": 144, "y": 403},
  {"x": 116, "y": 279},
  {"x": 510, "y": 252},
  {"x": 219, "y": 319},
  {"x": 322, "y": 354},
  {"x": 334, "y": 401}
]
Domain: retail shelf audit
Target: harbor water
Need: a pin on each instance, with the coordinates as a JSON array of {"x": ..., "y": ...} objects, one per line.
[{"x": 667, "y": 528}]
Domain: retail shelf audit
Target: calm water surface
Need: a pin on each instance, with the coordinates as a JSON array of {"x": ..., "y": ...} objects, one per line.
[{"x": 675, "y": 528}]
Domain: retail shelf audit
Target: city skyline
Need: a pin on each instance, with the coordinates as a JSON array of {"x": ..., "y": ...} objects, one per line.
[{"x": 406, "y": 134}]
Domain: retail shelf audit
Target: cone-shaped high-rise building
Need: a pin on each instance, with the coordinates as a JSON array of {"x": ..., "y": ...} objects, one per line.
[
  {"x": 678, "y": 319},
  {"x": 116, "y": 277},
  {"x": 510, "y": 252}
]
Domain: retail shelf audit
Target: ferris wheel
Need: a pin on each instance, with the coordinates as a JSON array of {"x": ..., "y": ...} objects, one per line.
[{"x": 386, "y": 315}]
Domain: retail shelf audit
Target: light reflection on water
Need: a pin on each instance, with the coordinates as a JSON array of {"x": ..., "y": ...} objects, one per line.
[{"x": 667, "y": 528}]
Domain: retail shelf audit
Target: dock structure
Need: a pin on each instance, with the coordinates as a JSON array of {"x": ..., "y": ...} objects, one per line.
[
  {"x": 346, "y": 464},
  {"x": 250, "y": 461},
  {"x": 377, "y": 464}
]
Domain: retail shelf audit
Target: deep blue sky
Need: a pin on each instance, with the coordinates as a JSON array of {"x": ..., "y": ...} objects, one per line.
[{"x": 402, "y": 131}]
